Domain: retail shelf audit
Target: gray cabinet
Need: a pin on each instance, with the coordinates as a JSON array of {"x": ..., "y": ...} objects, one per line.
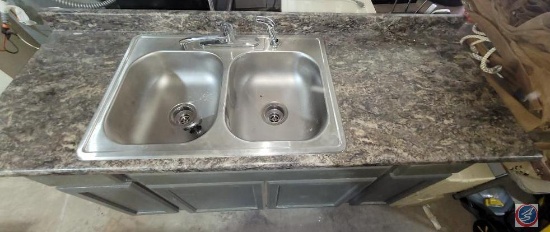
[
  {"x": 403, "y": 181},
  {"x": 391, "y": 187},
  {"x": 213, "y": 196},
  {"x": 313, "y": 193},
  {"x": 245, "y": 190},
  {"x": 126, "y": 197},
  {"x": 242, "y": 190}
]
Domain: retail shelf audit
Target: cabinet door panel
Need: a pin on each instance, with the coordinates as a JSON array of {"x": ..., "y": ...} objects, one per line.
[
  {"x": 314, "y": 193},
  {"x": 214, "y": 196},
  {"x": 126, "y": 197},
  {"x": 391, "y": 188}
]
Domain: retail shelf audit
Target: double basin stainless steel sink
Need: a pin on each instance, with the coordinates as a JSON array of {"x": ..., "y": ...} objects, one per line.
[{"x": 217, "y": 101}]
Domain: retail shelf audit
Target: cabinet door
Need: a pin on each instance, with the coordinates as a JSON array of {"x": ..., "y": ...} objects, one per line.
[
  {"x": 213, "y": 196},
  {"x": 125, "y": 197},
  {"x": 314, "y": 193},
  {"x": 391, "y": 188},
  {"x": 405, "y": 180}
]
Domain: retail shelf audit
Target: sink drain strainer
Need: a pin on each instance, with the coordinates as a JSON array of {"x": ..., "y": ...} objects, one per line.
[
  {"x": 185, "y": 115},
  {"x": 274, "y": 113}
]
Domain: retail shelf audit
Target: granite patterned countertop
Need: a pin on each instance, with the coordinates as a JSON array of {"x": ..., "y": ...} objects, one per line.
[{"x": 408, "y": 93}]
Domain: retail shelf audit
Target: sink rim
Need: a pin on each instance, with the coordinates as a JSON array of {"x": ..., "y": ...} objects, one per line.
[{"x": 330, "y": 140}]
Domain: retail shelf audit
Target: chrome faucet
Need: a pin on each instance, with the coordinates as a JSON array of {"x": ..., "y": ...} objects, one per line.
[
  {"x": 226, "y": 39},
  {"x": 227, "y": 35},
  {"x": 273, "y": 40},
  {"x": 227, "y": 31}
]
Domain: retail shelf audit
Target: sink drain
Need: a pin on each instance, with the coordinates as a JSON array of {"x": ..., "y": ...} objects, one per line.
[
  {"x": 274, "y": 113},
  {"x": 185, "y": 115}
]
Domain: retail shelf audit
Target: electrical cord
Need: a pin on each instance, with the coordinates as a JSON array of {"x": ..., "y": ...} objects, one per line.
[
  {"x": 7, "y": 32},
  {"x": 15, "y": 46},
  {"x": 3, "y": 44},
  {"x": 87, "y": 5},
  {"x": 27, "y": 43},
  {"x": 484, "y": 60},
  {"x": 4, "y": 48}
]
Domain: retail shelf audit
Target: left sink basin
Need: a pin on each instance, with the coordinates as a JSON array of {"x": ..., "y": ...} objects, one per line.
[{"x": 161, "y": 93}]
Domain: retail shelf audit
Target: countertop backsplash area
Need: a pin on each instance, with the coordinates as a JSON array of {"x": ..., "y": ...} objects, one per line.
[
  {"x": 200, "y": 22},
  {"x": 408, "y": 93}
]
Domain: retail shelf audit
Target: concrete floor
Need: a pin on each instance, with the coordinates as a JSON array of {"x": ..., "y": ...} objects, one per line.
[{"x": 29, "y": 206}]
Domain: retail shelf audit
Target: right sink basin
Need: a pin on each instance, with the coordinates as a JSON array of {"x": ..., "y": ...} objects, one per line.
[{"x": 275, "y": 96}]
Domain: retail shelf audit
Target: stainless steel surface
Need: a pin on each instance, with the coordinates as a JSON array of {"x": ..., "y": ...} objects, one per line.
[
  {"x": 226, "y": 39},
  {"x": 441, "y": 11},
  {"x": 430, "y": 9},
  {"x": 155, "y": 75},
  {"x": 185, "y": 115},
  {"x": 152, "y": 85},
  {"x": 275, "y": 113},
  {"x": 298, "y": 86},
  {"x": 273, "y": 40},
  {"x": 228, "y": 31},
  {"x": 209, "y": 39}
]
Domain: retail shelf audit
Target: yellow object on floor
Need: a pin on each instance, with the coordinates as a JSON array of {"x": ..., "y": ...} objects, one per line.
[{"x": 493, "y": 202}]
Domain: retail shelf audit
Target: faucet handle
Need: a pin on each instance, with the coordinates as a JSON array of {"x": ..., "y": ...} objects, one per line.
[
  {"x": 273, "y": 41},
  {"x": 266, "y": 21},
  {"x": 227, "y": 31},
  {"x": 225, "y": 27}
]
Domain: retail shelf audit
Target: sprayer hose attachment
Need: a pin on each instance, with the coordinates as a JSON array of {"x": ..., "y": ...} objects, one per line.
[{"x": 88, "y": 5}]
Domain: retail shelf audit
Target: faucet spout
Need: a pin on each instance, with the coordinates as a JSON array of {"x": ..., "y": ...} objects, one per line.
[
  {"x": 228, "y": 31},
  {"x": 226, "y": 39},
  {"x": 273, "y": 40},
  {"x": 203, "y": 40}
]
